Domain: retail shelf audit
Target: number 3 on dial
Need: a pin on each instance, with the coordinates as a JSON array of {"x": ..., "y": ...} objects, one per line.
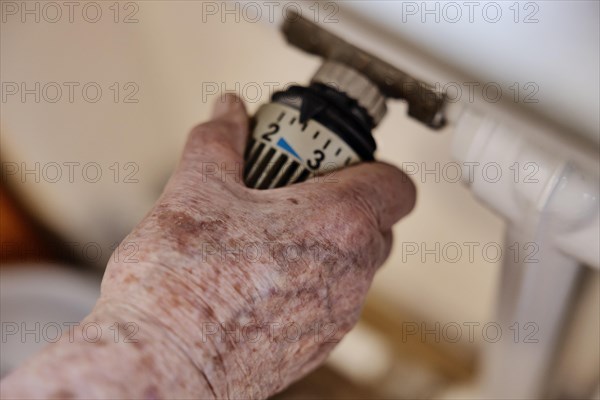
[{"x": 315, "y": 163}]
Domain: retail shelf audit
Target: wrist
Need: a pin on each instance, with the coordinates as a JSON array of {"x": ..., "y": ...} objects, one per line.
[
  {"x": 204, "y": 315},
  {"x": 112, "y": 353},
  {"x": 150, "y": 354}
]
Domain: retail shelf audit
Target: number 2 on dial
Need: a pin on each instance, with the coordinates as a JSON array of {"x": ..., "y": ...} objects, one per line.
[{"x": 273, "y": 129}]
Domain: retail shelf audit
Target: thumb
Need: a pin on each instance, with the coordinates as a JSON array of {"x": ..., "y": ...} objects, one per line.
[
  {"x": 219, "y": 144},
  {"x": 229, "y": 106}
]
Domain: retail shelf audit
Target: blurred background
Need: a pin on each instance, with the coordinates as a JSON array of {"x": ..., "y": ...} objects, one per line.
[{"x": 97, "y": 101}]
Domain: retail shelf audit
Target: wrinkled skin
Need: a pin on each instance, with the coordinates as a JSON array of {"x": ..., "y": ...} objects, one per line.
[{"x": 233, "y": 292}]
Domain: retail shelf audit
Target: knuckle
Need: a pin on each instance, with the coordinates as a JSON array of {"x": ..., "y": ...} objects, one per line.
[
  {"x": 358, "y": 208},
  {"x": 345, "y": 218},
  {"x": 350, "y": 231}
]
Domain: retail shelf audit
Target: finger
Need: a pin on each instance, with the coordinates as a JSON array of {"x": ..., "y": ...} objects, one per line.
[
  {"x": 230, "y": 108},
  {"x": 217, "y": 147},
  {"x": 382, "y": 191}
]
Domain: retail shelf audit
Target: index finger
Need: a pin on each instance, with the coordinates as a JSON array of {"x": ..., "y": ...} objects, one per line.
[{"x": 383, "y": 191}]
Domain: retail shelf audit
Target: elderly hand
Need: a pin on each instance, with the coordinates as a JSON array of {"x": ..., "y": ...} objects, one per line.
[{"x": 231, "y": 292}]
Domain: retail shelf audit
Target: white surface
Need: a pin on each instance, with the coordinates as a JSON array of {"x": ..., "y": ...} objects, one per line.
[
  {"x": 36, "y": 300},
  {"x": 556, "y": 49}
]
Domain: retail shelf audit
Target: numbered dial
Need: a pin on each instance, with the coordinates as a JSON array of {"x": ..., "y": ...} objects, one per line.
[{"x": 283, "y": 151}]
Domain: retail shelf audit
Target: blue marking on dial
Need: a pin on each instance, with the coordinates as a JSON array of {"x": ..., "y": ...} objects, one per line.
[{"x": 286, "y": 146}]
